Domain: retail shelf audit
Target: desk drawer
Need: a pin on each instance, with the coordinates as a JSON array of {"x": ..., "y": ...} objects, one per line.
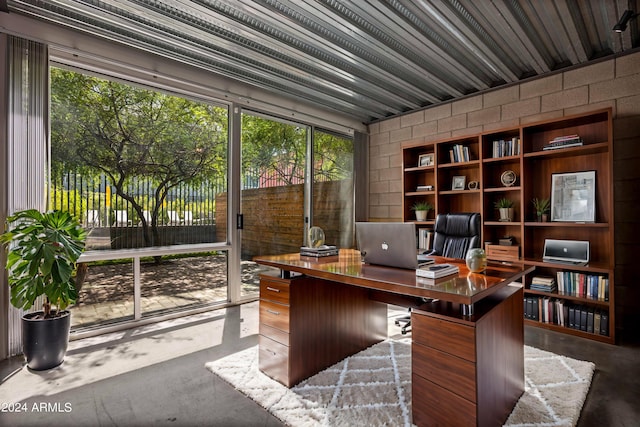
[
  {"x": 273, "y": 359},
  {"x": 274, "y": 315},
  {"x": 276, "y": 291},
  {"x": 453, "y": 338},
  {"x": 453, "y": 373},
  {"x": 436, "y": 406},
  {"x": 275, "y": 334}
]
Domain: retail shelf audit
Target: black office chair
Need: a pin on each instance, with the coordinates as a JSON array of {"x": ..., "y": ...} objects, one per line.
[{"x": 454, "y": 234}]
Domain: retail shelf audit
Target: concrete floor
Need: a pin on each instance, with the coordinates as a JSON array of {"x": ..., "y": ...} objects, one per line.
[{"x": 155, "y": 375}]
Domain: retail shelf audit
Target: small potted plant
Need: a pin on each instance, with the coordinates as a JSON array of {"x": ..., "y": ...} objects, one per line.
[
  {"x": 421, "y": 209},
  {"x": 43, "y": 250},
  {"x": 542, "y": 207},
  {"x": 505, "y": 207}
]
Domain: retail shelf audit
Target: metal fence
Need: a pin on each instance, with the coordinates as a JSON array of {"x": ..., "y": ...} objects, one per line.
[{"x": 94, "y": 201}]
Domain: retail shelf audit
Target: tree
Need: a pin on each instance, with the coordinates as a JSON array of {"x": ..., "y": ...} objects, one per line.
[
  {"x": 274, "y": 149},
  {"x": 130, "y": 133}
]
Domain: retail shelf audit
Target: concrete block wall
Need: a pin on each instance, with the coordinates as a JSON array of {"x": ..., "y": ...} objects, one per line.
[{"x": 611, "y": 83}]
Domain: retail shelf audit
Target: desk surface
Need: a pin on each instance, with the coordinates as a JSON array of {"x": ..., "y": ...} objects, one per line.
[{"x": 464, "y": 288}]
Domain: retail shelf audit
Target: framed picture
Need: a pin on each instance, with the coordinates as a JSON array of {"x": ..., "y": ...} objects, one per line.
[
  {"x": 573, "y": 196},
  {"x": 458, "y": 182},
  {"x": 425, "y": 160}
]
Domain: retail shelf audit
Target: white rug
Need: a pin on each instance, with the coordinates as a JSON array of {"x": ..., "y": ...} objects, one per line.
[{"x": 373, "y": 388}]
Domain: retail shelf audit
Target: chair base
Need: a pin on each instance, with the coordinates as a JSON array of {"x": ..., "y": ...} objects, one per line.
[{"x": 407, "y": 323}]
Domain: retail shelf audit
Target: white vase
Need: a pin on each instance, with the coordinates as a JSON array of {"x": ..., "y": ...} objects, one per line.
[
  {"x": 506, "y": 214},
  {"x": 421, "y": 215}
]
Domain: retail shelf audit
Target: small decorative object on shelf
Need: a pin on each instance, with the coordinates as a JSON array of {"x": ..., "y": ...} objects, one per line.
[
  {"x": 473, "y": 185},
  {"x": 315, "y": 237},
  {"x": 425, "y": 160},
  {"x": 505, "y": 207},
  {"x": 476, "y": 260},
  {"x": 508, "y": 178},
  {"x": 458, "y": 182},
  {"x": 542, "y": 207}
]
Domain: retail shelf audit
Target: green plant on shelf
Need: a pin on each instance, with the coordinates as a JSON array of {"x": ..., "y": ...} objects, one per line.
[
  {"x": 541, "y": 206},
  {"x": 422, "y": 206},
  {"x": 503, "y": 203}
]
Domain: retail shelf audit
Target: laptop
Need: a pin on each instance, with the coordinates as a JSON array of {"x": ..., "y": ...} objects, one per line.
[
  {"x": 392, "y": 244},
  {"x": 575, "y": 252}
]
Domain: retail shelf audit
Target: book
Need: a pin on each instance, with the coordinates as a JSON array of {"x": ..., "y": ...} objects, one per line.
[
  {"x": 437, "y": 270},
  {"x": 320, "y": 251}
]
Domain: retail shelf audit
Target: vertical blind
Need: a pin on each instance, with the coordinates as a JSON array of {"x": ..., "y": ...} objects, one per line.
[{"x": 27, "y": 142}]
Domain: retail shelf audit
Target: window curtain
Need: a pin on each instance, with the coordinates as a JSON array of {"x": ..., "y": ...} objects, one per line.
[{"x": 27, "y": 152}]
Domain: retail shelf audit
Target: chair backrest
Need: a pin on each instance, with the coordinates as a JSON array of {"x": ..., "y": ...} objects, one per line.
[{"x": 455, "y": 233}]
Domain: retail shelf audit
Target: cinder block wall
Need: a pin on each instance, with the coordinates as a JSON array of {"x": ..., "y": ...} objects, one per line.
[{"x": 611, "y": 83}]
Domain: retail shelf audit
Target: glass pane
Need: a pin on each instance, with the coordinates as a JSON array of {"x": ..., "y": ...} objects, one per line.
[
  {"x": 333, "y": 196},
  {"x": 272, "y": 200},
  {"x": 105, "y": 295},
  {"x": 140, "y": 167},
  {"x": 182, "y": 282}
]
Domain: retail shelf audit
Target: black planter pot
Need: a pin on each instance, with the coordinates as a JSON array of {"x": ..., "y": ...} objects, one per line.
[{"x": 44, "y": 341}]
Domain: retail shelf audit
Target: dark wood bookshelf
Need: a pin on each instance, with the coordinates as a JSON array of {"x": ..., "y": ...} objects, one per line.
[{"x": 533, "y": 167}]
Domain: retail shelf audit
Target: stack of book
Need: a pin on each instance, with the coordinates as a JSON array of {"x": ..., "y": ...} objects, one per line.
[
  {"x": 320, "y": 251},
  {"x": 435, "y": 271},
  {"x": 563, "y": 142},
  {"x": 544, "y": 284}
]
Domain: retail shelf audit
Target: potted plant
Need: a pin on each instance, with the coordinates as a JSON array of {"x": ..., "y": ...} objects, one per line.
[
  {"x": 43, "y": 249},
  {"x": 421, "y": 209},
  {"x": 505, "y": 207},
  {"x": 542, "y": 207}
]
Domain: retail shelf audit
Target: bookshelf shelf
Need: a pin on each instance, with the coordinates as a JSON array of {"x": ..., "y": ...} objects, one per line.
[{"x": 533, "y": 167}]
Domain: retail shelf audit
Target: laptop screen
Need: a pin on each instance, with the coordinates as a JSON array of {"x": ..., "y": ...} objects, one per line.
[
  {"x": 566, "y": 250},
  {"x": 391, "y": 244}
]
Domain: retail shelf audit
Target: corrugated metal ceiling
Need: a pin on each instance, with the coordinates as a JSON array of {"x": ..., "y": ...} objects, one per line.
[{"x": 367, "y": 59}]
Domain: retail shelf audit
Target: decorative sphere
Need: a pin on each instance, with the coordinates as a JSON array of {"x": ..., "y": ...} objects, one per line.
[
  {"x": 316, "y": 237},
  {"x": 476, "y": 260}
]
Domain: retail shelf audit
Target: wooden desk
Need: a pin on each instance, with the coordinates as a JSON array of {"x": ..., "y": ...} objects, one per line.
[{"x": 466, "y": 369}]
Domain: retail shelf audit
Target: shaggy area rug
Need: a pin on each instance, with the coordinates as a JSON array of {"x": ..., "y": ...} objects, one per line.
[{"x": 373, "y": 388}]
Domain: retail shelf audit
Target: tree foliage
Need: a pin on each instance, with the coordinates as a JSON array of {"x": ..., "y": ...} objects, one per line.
[{"x": 130, "y": 133}]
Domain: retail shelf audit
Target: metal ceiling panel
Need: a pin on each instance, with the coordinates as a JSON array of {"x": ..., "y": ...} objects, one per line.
[{"x": 366, "y": 59}]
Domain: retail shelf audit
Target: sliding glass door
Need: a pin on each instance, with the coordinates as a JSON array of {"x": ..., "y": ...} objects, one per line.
[{"x": 273, "y": 169}]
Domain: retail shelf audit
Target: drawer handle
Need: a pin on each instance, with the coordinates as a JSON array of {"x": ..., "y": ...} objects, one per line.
[
  {"x": 277, "y": 313},
  {"x": 269, "y": 288}
]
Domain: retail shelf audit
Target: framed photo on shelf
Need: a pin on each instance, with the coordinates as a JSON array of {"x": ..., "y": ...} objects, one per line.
[
  {"x": 458, "y": 182},
  {"x": 573, "y": 196},
  {"x": 425, "y": 160}
]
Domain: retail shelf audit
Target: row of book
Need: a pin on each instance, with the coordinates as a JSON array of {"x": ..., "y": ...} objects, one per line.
[
  {"x": 563, "y": 142},
  {"x": 594, "y": 286},
  {"x": 508, "y": 147},
  {"x": 425, "y": 238},
  {"x": 562, "y": 313},
  {"x": 459, "y": 153}
]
